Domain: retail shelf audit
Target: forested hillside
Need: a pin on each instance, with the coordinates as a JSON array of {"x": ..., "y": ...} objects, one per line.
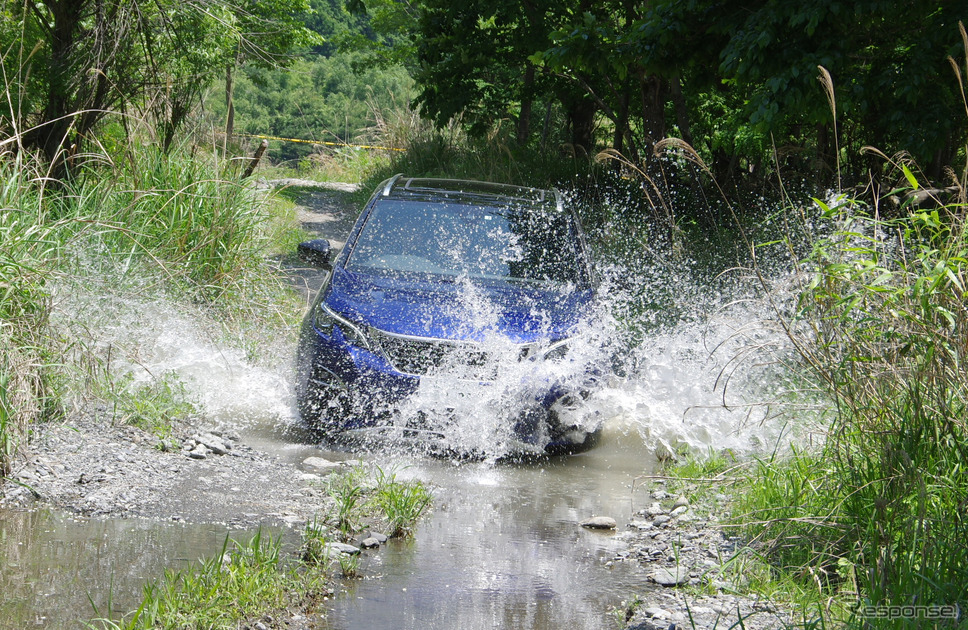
[{"x": 738, "y": 81}]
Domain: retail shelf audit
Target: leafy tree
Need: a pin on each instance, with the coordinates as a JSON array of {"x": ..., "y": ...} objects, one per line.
[
  {"x": 318, "y": 99},
  {"x": 79, "y": 60},
  {"x": 892, "y": 83},
  {"x": 475, "y": 64},
  {"x": 736, "y": 78},
  {"x": 390, "y": 34}
]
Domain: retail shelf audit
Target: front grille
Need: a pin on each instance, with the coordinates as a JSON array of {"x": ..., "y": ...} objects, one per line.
[{"x": 420, "y": 356}]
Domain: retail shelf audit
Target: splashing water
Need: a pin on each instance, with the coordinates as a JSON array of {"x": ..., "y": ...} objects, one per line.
[
  {"x": 143, "y": 336},
  {"x": 698, "y": 385}
]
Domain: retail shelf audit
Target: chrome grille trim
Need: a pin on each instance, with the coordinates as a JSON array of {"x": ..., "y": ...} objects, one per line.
[{"x": 419, "y": 356}]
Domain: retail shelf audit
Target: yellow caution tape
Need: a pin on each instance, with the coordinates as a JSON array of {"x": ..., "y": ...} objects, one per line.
[{"x": 319, "y": 142}]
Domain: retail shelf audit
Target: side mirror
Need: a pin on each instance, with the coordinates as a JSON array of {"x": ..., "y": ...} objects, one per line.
[{"x": 316, "y": 252}]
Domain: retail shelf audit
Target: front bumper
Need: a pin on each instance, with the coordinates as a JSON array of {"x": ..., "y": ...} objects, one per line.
[{"x": 378, "y": 403}]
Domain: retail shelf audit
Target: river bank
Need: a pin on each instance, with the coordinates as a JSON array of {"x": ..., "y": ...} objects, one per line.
[{"x": 210, "y": 475}]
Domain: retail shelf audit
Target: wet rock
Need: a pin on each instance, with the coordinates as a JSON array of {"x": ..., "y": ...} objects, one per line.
[
  {"x": 599, "y": 522},
  {"x": 213, "y": 443},
  {"x": 670, "y": 577},
  {"x": 380, "y": 538},
  {"x": 337, "y": 547},
  {"x": 320, "y": 466},
  {"x": 369, "y": 543}
]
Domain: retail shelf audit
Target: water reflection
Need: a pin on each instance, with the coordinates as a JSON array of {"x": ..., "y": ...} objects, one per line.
[
  {"x": 503, "y": 549},
  {"x": 56, "y": 565}
]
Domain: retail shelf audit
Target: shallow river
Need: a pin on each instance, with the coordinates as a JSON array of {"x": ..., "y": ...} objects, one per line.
[{"x": 501, "y": 548}]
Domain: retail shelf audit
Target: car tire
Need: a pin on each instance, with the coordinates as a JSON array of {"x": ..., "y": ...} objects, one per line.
[
  {"x": 567, "y": 435},
  {"x": 323, "y": 408}
]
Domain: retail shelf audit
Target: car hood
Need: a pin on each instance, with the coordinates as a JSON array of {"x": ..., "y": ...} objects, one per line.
[{"x": 461, "y": 311}]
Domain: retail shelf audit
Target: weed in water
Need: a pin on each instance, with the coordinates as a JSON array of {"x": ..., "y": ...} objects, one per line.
[
  {"x": 402, "y": 502},
  {"x": 243, "y": 583},
  {"x": 348, "y": 494}
]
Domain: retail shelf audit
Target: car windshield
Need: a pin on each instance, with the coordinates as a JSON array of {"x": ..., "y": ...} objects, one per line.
[{"x": 452, "y": 240}]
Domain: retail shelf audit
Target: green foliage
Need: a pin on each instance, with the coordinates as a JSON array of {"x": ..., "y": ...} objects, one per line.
[
  {"x": 72, "y": 62},
  {"x": 388, "y": 37},
  {"x": 888, "y": 309},
  {"x": 402, "y": 502},
  {"x": 183, "y": 215},
  {"x": 877, "y": 515},
  {"x": 739, "y": 80},
  {"x": 355, "y": 495},
  {"x": 791, "y": 510},
  {"x": 318, "y": 99},
  {"x": 29, "y": 249},
  {"x": 154, "y": 406},
  {"x": 348, "y": 495},
  {"x": 174, "y": 220},
  {"x": 241, "y": 585}
]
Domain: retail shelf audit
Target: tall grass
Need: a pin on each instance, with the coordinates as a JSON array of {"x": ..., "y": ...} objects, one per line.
[
  {"x": 878, "y": 517},
  {"x": 176, "y": 220},
  {"x": 27, "y": 248},
  {"x": 887, "y": 307}
]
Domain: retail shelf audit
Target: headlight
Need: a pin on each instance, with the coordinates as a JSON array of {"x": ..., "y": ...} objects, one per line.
[{"x": 326, "y": 319}]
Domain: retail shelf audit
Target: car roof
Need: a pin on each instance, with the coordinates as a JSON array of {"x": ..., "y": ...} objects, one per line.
[{"x": 469, "y": 191}]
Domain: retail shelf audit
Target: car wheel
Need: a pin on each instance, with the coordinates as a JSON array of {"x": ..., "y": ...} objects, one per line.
[
  {"x": 569, "y": 426},
  {"x": 323, "y": 408}
]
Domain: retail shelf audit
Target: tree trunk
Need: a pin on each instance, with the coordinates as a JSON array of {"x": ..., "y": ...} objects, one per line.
[
  {"x": 581, "y": 119},
  {"x": 51, "y": 136},
  {"x": 524, "y": 117},
  {"x": 652, "y": 92},
  {"x": 229, "y": 106},
  {"x": 622, "y": 123},
  {"x": 682, "y": 114}
]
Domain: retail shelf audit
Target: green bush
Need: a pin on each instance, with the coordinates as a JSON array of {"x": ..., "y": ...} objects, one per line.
[{"x": 878, "y": 515}]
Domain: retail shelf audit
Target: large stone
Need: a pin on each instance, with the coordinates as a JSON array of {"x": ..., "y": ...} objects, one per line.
[
  {"x": 320, "y": 466},
  {"x": 670, "y": 577},
  {"x": 213, "y": 443},
  {"x": 199, "y": 452},
  {"x": 599, "y": 522},
  {"x": 338, "y": 547}
]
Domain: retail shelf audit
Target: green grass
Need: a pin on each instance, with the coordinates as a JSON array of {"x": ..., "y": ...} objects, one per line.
[
  {"x": 401, "y": 502},
  {"x": 390, "y": 505},
  {"x": 875, "y": 517},
  {"x": 246, "y": 582},
  {"x": 250, "y": 581},
  {"x": 29, "y": 248},
  {"x": 142, "y": 225}
]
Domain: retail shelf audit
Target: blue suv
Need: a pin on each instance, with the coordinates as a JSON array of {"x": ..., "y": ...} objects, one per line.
[{"x": 452, "y": 301}]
